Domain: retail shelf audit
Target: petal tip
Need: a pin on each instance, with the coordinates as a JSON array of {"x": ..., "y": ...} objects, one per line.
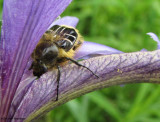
[{"x": 155, "y": 38}]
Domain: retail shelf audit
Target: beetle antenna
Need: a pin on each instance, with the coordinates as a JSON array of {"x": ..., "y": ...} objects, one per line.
[{"x": 75, "y": 62}]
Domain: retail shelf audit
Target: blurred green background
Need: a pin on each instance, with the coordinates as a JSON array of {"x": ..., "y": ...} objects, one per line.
[{"x": 121, "y": 24}]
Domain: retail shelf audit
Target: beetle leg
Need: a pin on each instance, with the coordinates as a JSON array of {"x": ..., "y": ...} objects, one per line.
[{"x": 58, "y": 79}]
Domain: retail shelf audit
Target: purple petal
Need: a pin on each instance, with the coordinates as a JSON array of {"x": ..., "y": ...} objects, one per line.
[
  {"x": 24, "y": 22},
  {"x": 91, "y": 49},
  {"x": 75, "y": 81},
  {"x": 155, "y": 38}
]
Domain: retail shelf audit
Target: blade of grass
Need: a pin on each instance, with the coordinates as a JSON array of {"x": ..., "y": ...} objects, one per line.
[
  {"x": 84, "y": 109},
  {"x": 104, "y": 103},
  {"x": 79, "y": 109},
  {"x": 151, "y": 99},
  {"x": 141, "y": 94},
  {"x": 74, "y": 107}
]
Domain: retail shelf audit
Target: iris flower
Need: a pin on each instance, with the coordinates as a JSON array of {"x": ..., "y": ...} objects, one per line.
[{"x": 24, "y": 97}]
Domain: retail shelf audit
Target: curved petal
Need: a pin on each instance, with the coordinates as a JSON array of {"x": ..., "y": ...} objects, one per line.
[
  {"x": 155, "y": 38},
  {"x": 24, "y": 22},
  {"x": 75, "y": 81},
  {"x": 91, "y": 49}
]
